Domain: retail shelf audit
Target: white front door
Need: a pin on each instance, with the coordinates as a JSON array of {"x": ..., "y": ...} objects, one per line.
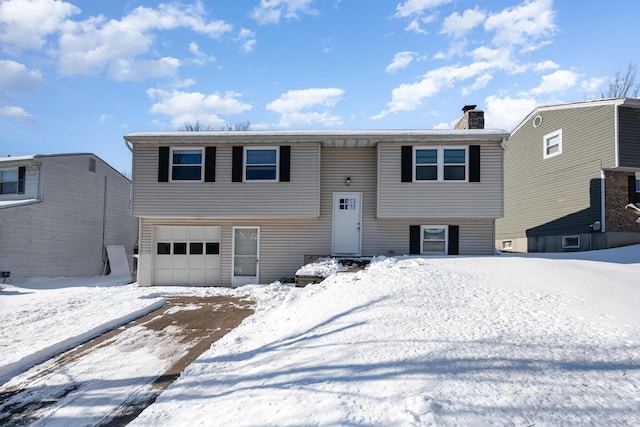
[
  {"x": 347, "y": 219},
  {"x": 246, "y": 244}
]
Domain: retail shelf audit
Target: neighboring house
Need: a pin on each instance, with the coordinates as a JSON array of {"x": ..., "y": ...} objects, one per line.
[
  {"x": 59, "y": 212},
  {"x": 231, "y": 208},
  {"x": 570, "y": 170}
]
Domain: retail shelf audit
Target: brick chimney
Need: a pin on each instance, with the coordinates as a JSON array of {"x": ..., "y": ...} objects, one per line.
[{"x": 471, "y": 119}]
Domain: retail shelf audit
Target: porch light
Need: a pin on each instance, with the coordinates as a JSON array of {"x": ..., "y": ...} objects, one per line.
[{"x": 347, "y": 181}]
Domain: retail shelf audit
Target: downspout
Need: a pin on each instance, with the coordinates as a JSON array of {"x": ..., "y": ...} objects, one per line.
[{"x": 104, "y": 226}]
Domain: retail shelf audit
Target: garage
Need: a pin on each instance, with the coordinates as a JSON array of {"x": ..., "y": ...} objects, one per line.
[{"x": 187, "y": 255}]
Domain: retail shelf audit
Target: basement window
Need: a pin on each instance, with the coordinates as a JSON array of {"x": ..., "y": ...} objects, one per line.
[
  {"x": 571, "y": 242},
  {"x": 507, "y": 244}
]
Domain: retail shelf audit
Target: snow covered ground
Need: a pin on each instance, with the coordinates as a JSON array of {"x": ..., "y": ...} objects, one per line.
[{"x": 516, "y": 340}]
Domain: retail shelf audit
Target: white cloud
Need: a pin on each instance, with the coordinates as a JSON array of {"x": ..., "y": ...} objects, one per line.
[
  {"x": 193, "y": 107},
  {"x": 593, "y": 85},
  {"x": 417, "y": 7},
  {"x": 16, "y": 112},
  {"x": 555, "y": 82},
  {"x": 25, "y": 24},
  {"x": 524, "y": 25},
  {"x": 504, "y": 112},
  {"x": 16, "y": 77},
  {"x": 247, "y": 38},
  {"x": 272, "y": 11},
  {"x": 546, "y": 65},
  {"x": 408, "y": 97},
  {"x": 457, "y": 26},
  {"x": 93, "y": 45},
  {"x": 400, "y": 61},
  {"x": 292, "y": 105}
]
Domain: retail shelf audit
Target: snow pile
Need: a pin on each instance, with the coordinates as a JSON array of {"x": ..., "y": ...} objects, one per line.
[
  {"x": 550, "y": 339},
  {"x": 324, "y": 267}
]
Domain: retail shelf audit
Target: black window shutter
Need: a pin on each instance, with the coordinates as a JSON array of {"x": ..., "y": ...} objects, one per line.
[
  {"x": 285, "y": 163},
  {"x": 414, "y": 239},
  {"x": 454, "y": 240},
  {"x": 474, "y": 163},
  {"x": 21, "y": 171},
  {"x": 210, "y": 164},
  {"x": 236, "y": 164},
  {"x": 163, "y": 164},
  {"x": 406, "y": 163}
]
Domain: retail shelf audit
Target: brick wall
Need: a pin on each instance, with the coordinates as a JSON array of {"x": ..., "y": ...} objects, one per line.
[{"x": 616, "y": 189}]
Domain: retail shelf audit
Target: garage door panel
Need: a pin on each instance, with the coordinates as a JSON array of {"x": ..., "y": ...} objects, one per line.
[{"x": 188, "y": 261}]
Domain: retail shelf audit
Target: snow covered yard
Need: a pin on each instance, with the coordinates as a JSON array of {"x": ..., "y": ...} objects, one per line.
[{"x": 508, "y": 340}]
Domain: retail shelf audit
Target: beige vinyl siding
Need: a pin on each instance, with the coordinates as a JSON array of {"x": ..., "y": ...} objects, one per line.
[
  {"x": 480, "y": 200},
  {"x": 63, "y": 234},
  {"x": 295, "y": 199},
  {"x": 285, "y": 242},
  {"x": 546, "y": 196}
]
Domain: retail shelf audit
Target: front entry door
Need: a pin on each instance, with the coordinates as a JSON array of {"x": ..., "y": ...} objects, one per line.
[
  {"x": 246, "y": 244},
  {"x": 347, "y": 220}
]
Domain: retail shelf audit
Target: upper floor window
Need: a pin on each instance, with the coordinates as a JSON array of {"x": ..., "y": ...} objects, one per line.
[
  {"x": 9, "y": 181},
  {"x": 261, "y": 164},
  {"x": 186, "y": 164},
  {"x": 552, "y": 144},
  {"x": 440, "y": 164}
]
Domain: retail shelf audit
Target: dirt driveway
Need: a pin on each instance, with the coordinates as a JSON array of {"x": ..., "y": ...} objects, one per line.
[{"x": 112, "y": 378}]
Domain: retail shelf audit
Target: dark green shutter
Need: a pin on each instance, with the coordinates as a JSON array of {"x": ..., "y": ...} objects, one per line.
[
  {"x": 454, "y": 240},
  {"x": 236, "y": 164},
  {"x": 474, "y": 163},
  {"x": 285, "y": 163},
  {"x": 163, "y": 164},
  {"x": 406, "y": 163},
  {"x": 21, "y": 171},
  {"x": 210, "y": 164},
  {"x": 414, "y": 239}
]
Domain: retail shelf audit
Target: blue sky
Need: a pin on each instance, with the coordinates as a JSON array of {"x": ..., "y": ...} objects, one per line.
[{"x": 75, "y": 76}]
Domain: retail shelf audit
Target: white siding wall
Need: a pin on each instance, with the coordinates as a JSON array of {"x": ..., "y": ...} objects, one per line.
[{"x": 63, "y": 234}]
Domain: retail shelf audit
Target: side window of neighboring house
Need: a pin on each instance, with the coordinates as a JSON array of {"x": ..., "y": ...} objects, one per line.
[
  {"x": 637, "y": 189},
  {"x": 440, "y": 163},
  {"x": 552, "y": 144},
  {"x": 12, "y": 181}
]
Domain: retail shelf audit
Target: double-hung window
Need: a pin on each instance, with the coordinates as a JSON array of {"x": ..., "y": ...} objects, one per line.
[
  {"x": 434, "y": 239},
  {"x": 261, "y": 164},
  {"x": 9, "y": 181},
  {"x": 552, "y": 144},
  {"x": 441, "y": 164},
  {"x": 186, "y": 164}
]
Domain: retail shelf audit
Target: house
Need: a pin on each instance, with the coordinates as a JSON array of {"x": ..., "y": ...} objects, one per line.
[
  {"x": 570, "y": 170},
  {"x": 231, "y": 208},
  {"x": 59, "y": 213}
]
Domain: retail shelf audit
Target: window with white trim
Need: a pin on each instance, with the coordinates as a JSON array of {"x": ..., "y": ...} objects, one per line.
[
  {"x": 441, "y": 164},
  {"x": 261, "y": 164},
  {"x": 552, "y": 144},
  {"x": 507, "y": 244},
  {"x": 637, "y": 188},
  {"x": 434, "y": 239},
  {"x": 571, "y": 242},
  {"x": 9, "y": 181},
  {"x": 187, "y": 164}
]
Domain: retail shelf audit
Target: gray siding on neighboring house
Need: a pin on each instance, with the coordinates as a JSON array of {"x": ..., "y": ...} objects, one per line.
[
  {"x": 63, "y": 234},
  {"x": 560, "y": 194},
  {"x": 479, "y": 200},
  {"x": 297, "y": 198},
  {"x": 629, "y": 137}
]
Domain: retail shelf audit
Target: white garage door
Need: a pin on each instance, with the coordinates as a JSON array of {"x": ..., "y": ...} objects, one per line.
[{"x": 187, "y": 255}]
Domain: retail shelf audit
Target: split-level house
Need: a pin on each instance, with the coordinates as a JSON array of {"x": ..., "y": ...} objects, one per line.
[
  {"x": 59, "y": 213},
  {"x": 231, "y": 208},
  {"x": 570, "y": 170}
]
